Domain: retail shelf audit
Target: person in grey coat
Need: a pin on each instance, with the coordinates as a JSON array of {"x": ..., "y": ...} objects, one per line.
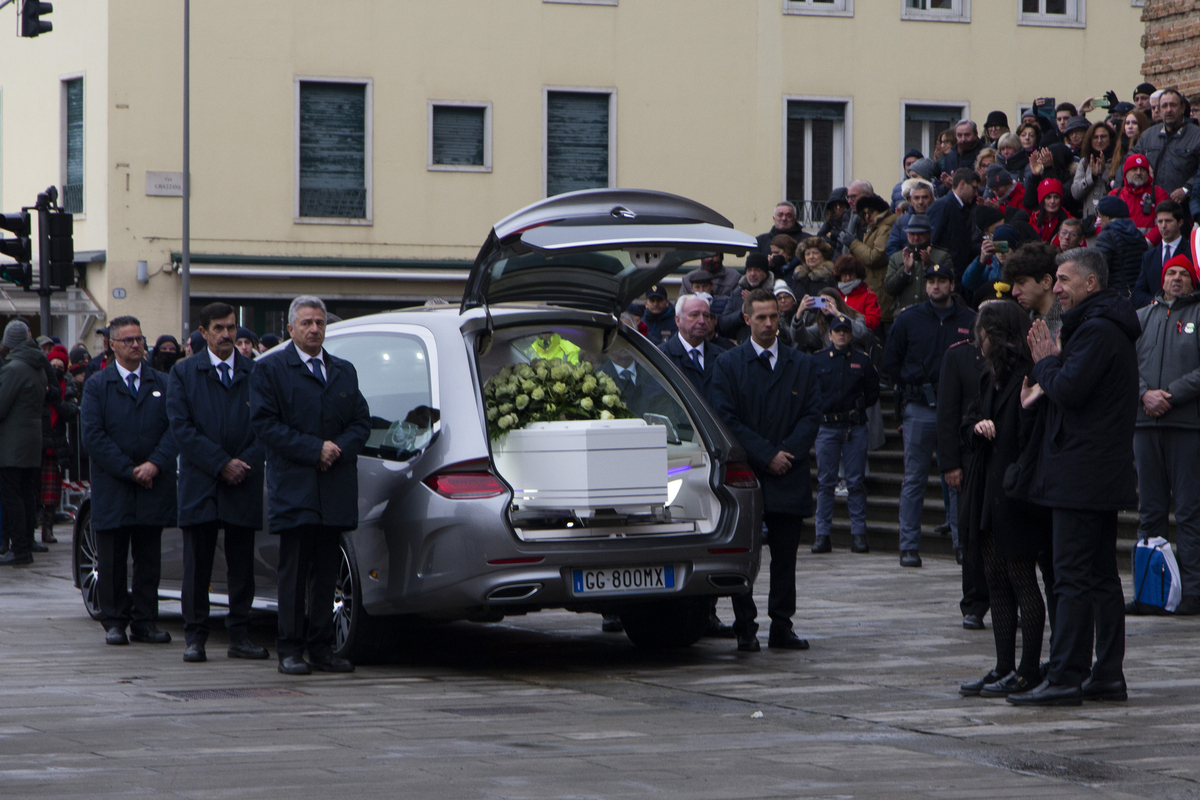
[
  {"x": 124, "y": 426},
  {"x": 1166, "y": 440},
  {"x": 22, "y": 397},
  {"x": 313, "y": 421},
  {"x": 220, "y": 480}
]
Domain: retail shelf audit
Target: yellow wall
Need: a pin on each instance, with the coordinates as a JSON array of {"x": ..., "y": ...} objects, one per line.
[{"x": 700, "y": 87}]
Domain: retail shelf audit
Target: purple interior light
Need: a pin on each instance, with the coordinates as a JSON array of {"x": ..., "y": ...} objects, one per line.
[{"x": 678, "y": 470}]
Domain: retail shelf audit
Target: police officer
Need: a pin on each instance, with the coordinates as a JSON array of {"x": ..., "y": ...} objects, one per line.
[
  {"x": 849, "y": 386},
  {"x": 312, "y": 421},
  {"x": 913, "y": 358},
  {"x": 220, "y": 480},
  {"x": 126, "y": 432}
]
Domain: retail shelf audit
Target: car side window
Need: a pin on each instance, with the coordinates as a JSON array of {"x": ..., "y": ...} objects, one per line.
[{"x": 394, "y": 377}]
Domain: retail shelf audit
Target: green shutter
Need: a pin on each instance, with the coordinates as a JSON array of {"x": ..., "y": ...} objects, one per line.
[
  {"x": 72, "y": 194},
  {"x": 333, "y": 123},
  {"x": 803, "y": 109},
  {"x": 458, "y": 135},
  {"x": 944, "y": 114},
  {"x": 576, "y": 141}
]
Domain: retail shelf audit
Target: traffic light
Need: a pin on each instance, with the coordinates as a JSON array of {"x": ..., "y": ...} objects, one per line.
[
  {"x": 62, "y": 249},
  {"x": 17, "y": 248},
  {"x": 31, "y": 22}
]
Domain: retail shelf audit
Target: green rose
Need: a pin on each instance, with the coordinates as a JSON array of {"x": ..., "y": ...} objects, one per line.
[
  {"x": 559, "y": 372},
  {"x": 504, "y": 422},
  {"x": 522, "y": 400},
  {"x": 551, "y": 408},
  {"x": 586, "y": 404},
  {"x": 589, "y": 385},
  {"x": 609, "y": 400},
  {"x": 606, "y": 415},
  {"x": 507, "y": 407},
  {"x": 527, "y": 386},
  {"x": 559, "y": 388},
  {"x": 525, "y": 371},
  {"x": 537, "y": 393},
  {"x": 492, "y": 414},
  {"x": 587, "y": 367}
]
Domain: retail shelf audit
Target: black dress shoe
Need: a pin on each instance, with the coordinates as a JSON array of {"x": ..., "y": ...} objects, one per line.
[
  {"x": 748, "y": 644},
  {"x": 1189, "y": 606},
  {"x": 958, "y": 556},
  {"x": 973, "y": 688},
  {"x": 244, "y": 648},
  {"x": 910, "y": 558},
  {"x": 116, "y": 636},
  {"x": 331, "y": 663},
  {"x": 149, "y": 634},
  {"x": 822, "y": 545},
  {"x": 1010, "y": 684},
  {"x": 716, "y": 630},
  {"x": 1104, "y": 690},
  {"x": 194, "y": 654},
  {"x": 858, "y": 544},
  {"x": 294, "y": 665},
  {"x": 1048, "y": 694},
  {"x": 943, "y": 529},
  {"x": 38, "y": 547},
  {"x": 1135, "y": 608},
  {"x": 972, "y": 622},
  {"x": 11, "y": 559},
  {"x": 788, "y": 640}
]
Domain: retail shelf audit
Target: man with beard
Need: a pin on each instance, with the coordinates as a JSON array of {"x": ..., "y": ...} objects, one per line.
[{"x": 1172, "y": 147}]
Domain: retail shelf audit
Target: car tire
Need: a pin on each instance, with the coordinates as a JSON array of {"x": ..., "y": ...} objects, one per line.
[
  {"x": 87, "y": 572},
  {"x": 358, "y": 636},
  {"x": 666, "y": 623}
]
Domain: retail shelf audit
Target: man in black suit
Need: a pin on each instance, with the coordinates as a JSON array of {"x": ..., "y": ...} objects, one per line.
[
  {"x": 950, "y": 218},
  {"x": 313, "y": 422},
  {"x": 695, "y": 356},
  {"x": 1169, "y": 217},
  {"x": 769, "y": 398},
  {"x": 220, "y": 480}
]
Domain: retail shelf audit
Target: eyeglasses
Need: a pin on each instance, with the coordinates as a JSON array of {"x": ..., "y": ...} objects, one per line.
[{"x": 132, "y": 341}]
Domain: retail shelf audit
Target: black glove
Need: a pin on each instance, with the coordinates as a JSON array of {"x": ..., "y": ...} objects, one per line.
[
  {"x": 1112, "y": 98},
  {"x": 845, "y": 238}
]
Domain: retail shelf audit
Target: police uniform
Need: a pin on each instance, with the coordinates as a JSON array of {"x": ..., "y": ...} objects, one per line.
[{"x": 849, "y": 386}]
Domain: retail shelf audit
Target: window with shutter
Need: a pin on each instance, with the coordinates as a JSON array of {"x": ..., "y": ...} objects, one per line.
[
  {"x": 577, "y": 141},
  {"x": 333, "y": 150},
  {"x": 460, "y": 137},
  {"x": 923, "y": 123},
  {"x": 814, "y": 157},
  {"x": 72, "y": 189}
]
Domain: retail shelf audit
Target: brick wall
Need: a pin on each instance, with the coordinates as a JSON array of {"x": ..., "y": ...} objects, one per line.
[{"x": 1172, "y": 45}]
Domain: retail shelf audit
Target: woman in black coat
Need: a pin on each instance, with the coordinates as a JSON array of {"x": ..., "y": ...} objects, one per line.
[{"x": 1012, "y": 532}]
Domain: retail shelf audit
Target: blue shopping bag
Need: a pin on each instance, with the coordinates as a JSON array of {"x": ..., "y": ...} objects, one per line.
[{"x": 1155, "y": 574}]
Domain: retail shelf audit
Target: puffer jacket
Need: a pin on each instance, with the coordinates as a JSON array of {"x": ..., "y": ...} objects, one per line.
[
  {"x": 1088, "y": 188},
  {"x": 1123, "y": 247},
  {"x": 1168, "y": 353},
  {"x": 1175, "y": 167},
  {"x": 1132, "y": 195},
  {"x": 22, "y": 397}
]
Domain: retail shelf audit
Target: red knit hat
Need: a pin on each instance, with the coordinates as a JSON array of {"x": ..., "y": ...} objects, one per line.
[
  {"x": 60, "y": 352},
  {"x": 1185, "y": 262},
  {"x": 1048, "y": 187},
  {"x": 1136, "y": 160}
]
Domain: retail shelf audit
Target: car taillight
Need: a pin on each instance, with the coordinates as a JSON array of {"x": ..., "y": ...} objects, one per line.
[
  {"x": 467, "y": 481},
  {"x": 739, "y": 475}
]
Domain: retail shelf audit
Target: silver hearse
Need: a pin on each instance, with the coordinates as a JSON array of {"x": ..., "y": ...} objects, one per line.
[{"x": 440, "y": 536}]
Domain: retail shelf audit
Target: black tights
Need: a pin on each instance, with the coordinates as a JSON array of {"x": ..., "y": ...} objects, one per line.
[{"x": 1012, "y": 583}]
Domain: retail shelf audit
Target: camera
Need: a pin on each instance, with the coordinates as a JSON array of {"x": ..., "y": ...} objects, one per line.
[{"x": 1000, "y": 246}]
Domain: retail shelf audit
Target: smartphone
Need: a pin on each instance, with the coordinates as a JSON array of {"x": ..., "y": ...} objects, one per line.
[
  {"x": 1101, "y": 102},
  {"x": 1046, "y": 108},
  {"x": 820, "y": 301},
  {"x": 1000, "y": 246}
]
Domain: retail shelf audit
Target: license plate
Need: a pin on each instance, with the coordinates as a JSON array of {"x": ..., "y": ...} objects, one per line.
[{"x": 623, "y": 580}]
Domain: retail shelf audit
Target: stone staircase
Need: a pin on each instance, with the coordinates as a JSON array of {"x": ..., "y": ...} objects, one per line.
[{"x": 885, "y": 475}]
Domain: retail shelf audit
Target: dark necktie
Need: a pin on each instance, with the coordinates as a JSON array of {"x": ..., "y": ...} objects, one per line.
[
  {"x": 695, "y": 354},
  {"x": 225, "y": 379},
  {"x": 1166, "y": 252},
  {"x": 315, "y": 365},
  {"x": 131, "y": 379},
  {"x": 765, "y": 358}
]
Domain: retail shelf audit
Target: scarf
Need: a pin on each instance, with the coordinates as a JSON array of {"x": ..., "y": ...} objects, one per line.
[{"x": 847, "y": 287}]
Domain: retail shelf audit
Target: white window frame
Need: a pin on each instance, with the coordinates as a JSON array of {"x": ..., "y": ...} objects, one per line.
[
  {"x": 1138, "y": 3},
  {"x": 368, "y": 140},
  {"x": 960, "y": 12},
  {"x": 611, "y": 91},
  {"x": 583, "y": 2},
  {"x": 487, "y": 137},
  {"x": 62, "y": 135},
  {"x": 1078, "y": 19},
  {"x": 847, "y": 144},
  {"x": 904, "y": 104},
  {"x": 838, "y": 8}
]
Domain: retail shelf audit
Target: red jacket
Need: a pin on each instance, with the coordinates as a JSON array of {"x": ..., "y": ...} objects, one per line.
[
  {"x": 1047, "y": 227},
  {"x": 1014, "y": 199},
  {"x": 1132, "y": 195},
  {"x": 864, "y": 301}
]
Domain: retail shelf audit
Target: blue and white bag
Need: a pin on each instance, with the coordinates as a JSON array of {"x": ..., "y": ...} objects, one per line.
[{"x": 1156, "y": 574}]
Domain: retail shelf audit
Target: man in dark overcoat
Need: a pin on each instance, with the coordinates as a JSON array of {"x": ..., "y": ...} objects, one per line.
[
  {"x": 220, "y": 480},
  {"x": 313, "y": 421},
  {"x": 22, "y": 399},
  {"x": 124, "y": 427},
  {"x": 769, "y": 398},
  {"x": 1085, "y": 475}
]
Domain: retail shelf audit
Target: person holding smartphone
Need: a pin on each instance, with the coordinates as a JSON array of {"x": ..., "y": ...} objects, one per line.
[
  {"x": 907, "y": 267},
  {"x": 984, "y": 271}
]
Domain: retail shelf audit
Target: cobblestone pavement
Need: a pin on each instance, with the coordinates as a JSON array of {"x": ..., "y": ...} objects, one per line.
[{"x": 547, "y": 706}]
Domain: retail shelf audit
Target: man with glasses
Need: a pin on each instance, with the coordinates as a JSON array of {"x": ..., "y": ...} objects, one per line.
[
  {"x": 128, "y": 437},
  {"x": 783, "y": 221}
]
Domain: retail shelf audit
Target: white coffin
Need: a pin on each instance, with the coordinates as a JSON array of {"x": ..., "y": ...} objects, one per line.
[{"x": 585, "y": 465}]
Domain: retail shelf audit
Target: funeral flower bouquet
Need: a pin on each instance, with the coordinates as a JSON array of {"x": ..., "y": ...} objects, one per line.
[{"x": 546, "y": 391}]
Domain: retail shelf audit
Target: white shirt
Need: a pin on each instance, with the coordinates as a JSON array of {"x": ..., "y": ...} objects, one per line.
[
  {"x": 687, "y": 348},
  {"x": 305, "y": 358},
  {"x": 773, "y": 350},
  {"x": 216, "y": 362},
  {"x": 124, "y": 373},
  {"x": 627, "y": 373}
]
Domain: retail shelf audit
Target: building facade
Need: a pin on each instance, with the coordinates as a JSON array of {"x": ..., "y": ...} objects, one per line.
[
  {"x": 361, "y": 150},
  {"x": 1172, "y": 45}
]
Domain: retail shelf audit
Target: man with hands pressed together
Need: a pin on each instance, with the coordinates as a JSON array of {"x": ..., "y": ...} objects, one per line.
[
  {"x": 313, "y": 421},
  {"x": 769, "y": 398},
  {"x": 1084, "y": 474},
  {"x": 124, "y": 426},
  {"x": 220, "y": 480}
]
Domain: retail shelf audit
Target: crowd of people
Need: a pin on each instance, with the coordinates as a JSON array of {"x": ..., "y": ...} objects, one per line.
[{"x": 1030, "y": 298}]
